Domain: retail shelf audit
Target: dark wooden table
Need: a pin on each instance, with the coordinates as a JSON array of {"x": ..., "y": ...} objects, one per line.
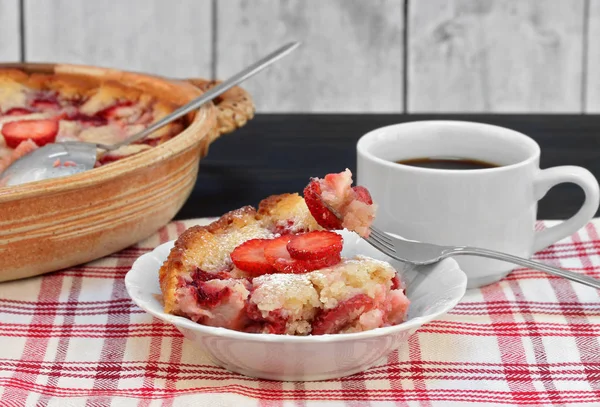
[{"x": 278, "y": 153}]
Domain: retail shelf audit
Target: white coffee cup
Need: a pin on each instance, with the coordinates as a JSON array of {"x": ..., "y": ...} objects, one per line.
[{"x": 494, "y": 208}]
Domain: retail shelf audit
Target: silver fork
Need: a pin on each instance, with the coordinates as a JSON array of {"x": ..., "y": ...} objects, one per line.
[{"x": 417, "y": 253}]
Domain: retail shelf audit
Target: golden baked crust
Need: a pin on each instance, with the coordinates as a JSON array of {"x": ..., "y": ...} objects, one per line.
[
  {"x": 69, "y": 86},
  {"x": 8, "y": 75},
  {"x": 106, "y": 96},
  {"x": 278, "y": 210},
  {"x": 97, "y": 94},
  {"x": 199, "y": 245},
  {"x": 189, "y": 251}
]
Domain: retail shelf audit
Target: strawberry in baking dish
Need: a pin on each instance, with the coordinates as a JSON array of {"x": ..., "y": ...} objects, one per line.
[
  {"x": 280, "y": 269},
  {"x": 37, "y": 109}
]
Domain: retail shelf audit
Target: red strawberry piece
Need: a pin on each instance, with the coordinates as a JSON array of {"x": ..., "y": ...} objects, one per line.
[
  {"x": 199, "y": 275},
  {"x": 152, "y": 142},
  {"x": 210, "y": 296},
  {"x": 395, "y": 282},
  {"x": 273, "y": 323},
  {"x": 85, "y": 119},
  {"x": 295, "y": 266},
  {"x": 315, "y": 245},
  {"x": 45, "y": 104},
  {"x": 277, "y": 254},
  {"x": 250, "y": 257},
  {"x": 107, "y": 159},
  {"x": 40, "y": 131},
  {"x": 363, "y": 195},
  {"x": 277, "y": 249},
  {"x": 284, "y": 227},
  {"x": 322, "y": 214},
  {"x": 115, "y": 111},
  {"x": 18, "y": 111},
  {"x": 334, "y": 320}
]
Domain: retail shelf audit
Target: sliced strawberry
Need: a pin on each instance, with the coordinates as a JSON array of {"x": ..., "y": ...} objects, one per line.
[
  {"x": 315, "y": 245},
  {"x": 116, "y": 111},
  {"x": 250, "y": 257},
  {"x": 319, "y": 211},
  {"x": 395, "y": 282},
  {"x": 18, "y": 111},
  {"x": 363, "y": 195},
  {"x": 45, "y": 104},
  {"x": 277, "y": 249},
  {"x": 277, "y": 254},
  {"x": 294, "y": 266},
  {"x": 334, "y": 320},
  {"x": 40, "y": 131}
]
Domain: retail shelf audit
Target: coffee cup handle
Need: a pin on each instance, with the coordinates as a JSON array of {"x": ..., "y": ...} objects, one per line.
[{"x": 545, "y": 180}]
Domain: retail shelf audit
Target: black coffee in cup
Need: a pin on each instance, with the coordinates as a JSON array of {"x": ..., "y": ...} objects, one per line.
[{"x": 448, "y": 163}]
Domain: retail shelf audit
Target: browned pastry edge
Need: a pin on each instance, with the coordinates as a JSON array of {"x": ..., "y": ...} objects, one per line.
[
  {"x": 70, "y": 85},
  {"x": 234, "y": 107},
  {"x": 174, "y": 267}
]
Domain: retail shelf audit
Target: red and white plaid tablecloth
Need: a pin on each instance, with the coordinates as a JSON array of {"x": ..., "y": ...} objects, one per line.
[{"x": 74, "y": 338}]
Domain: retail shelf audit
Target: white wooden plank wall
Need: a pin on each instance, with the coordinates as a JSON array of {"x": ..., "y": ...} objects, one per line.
[
  {"x": 164, "y": 37},
  {"x": 10, "y": 36},
  {"x": 592, "y": 85},
  {"x": 351, "y": 59},
  {"x": 495, "y": 55},
  {"x": 524, "y": 56}
]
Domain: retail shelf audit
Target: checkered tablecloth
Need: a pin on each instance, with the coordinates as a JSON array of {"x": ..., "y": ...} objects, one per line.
[{"x": 74, "y": 338}]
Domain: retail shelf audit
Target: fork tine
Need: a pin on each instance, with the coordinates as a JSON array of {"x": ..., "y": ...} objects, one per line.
[
  {"x": 380, "y": 247},
  {"x": 381, "y": 235},
  {"x": 387, "y": 245}
]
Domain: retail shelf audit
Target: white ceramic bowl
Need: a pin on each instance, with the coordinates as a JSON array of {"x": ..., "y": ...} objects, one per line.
[{"x": 433, "y": 290}]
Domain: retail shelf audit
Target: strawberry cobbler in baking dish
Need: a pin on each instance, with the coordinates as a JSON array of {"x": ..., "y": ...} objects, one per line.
[
  {"x": 279, "y": 269},
  {"x": 37, "y": 109}
]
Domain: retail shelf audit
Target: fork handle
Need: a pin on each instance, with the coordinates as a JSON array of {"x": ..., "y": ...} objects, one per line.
[{"x": 555, "y": 271}]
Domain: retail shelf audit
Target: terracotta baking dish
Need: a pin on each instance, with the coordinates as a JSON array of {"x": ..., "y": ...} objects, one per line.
[{"x": 54, "y": 224}]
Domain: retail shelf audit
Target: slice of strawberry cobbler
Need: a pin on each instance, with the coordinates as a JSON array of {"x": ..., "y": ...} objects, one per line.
[{"x": 280, "y": 269}]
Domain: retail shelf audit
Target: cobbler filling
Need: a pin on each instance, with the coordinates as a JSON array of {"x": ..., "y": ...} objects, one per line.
[
  {"x": 349, "y": 295},
  {"x": 31, "y": 118}
]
